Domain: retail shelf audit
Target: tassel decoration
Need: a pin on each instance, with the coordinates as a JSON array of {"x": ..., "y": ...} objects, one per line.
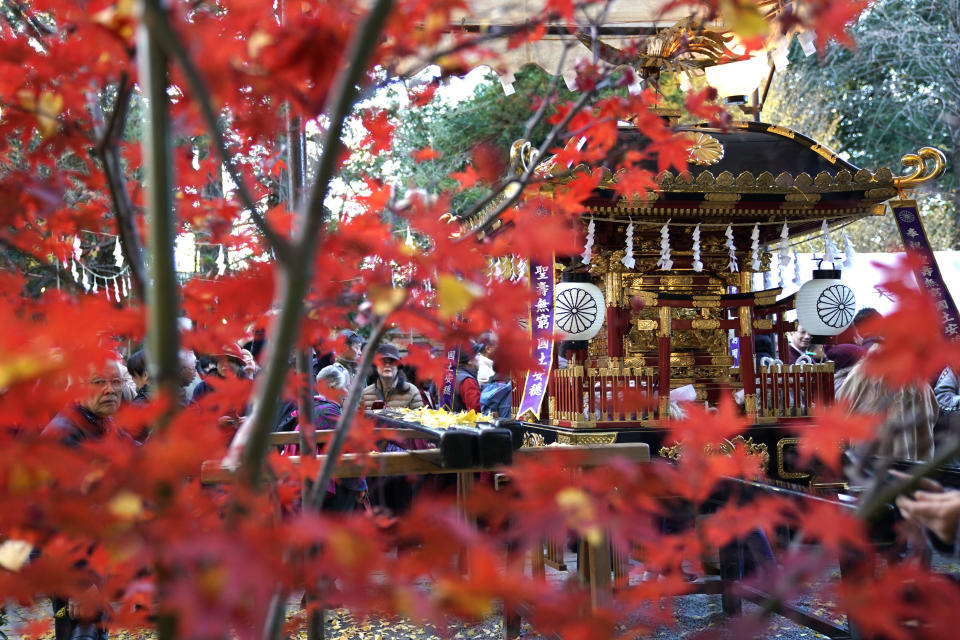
[
  {"x": 221, "y": 262},
  {"x": 848, "y": 251},
  {"x": 73, "y": 271},
  {"x": 77, "y": 253},
  {"x": 796, "y": 269},
  {"x": 85, "y": 281},
  {"x": 123, "y": 286},
  {"x": 587, "y": 254},
  {"x": 755, "y": 248},
  {"x": 731, "y": 250},
  {"x": 627, "y": 259},
  {"x": 521, "y": 271},
  {"x": 117, "y": 253},
  {"x": 829, "y": 248},
  {"x": 785, "y": 245},
  {"x": 665, "y": 262},
  {"x": 116, "y": 289},
  {"x": 697, "y": 263},
  {"x": 93, "y": 289}
]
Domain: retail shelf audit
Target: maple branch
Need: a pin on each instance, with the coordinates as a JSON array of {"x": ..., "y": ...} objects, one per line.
[
  {"x": 42, "y": 265},
  {"x": 250, "y": 441},
  {"x": 40, "y": 30},
  {"x": 883, "y": 494},
  {"x": 162, "y": 295},
  {"x": 525, "y": 177},
  {"x": 347, "y": 414},
  {"x": 341, "y": 104},
  {"x": 123, "y": 209},
  {"x": 158, "y": 23}
]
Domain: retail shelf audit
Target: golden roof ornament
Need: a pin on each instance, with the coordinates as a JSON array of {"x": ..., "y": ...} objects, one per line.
[{"x": 705, "y": 150}]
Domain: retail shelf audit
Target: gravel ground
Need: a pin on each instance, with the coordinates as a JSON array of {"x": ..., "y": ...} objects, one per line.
[{"x": 692, "y": 614}]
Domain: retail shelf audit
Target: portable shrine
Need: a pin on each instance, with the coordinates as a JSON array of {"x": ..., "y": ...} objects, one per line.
[{"x": 663, "y": 298}]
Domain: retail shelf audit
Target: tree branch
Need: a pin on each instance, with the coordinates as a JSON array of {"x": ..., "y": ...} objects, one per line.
[
  {"x": 528, "y": 172},
  {"x": 347, "y": 414},
  {"x": 159, "y": 25},
  {"x": 162, "y": 295},
  {"x": 109, "y": 156},
  {"x": 250, "y": 442}
]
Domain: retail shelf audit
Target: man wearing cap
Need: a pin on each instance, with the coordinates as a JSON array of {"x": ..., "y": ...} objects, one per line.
[{"x": 391, "y": 387}]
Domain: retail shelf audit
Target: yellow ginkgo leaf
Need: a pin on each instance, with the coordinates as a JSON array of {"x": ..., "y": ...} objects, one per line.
[
  {"x": 126, "y": 505},
  {"x": 48, "y": 108},
  {"x": 743, "y": 18},
  {"x": 455, "y": 295},
  {"x": 385, "y": 299}
]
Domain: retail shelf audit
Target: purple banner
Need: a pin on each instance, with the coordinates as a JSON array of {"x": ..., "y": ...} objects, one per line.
[
  {"x": 928, "y": 275},
  {"x": 448, "y": 387},
  {"x": 541, "y": 333}
]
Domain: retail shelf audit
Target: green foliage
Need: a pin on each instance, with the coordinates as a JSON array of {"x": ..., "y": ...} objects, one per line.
[
  {"x": 453, "y": 128},
  {"x": 897, "y": 91}
]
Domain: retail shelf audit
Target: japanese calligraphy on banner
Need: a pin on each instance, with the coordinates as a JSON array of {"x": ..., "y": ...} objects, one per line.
[
  {"x": 448, "y": 387},
  {"x": 928, "y": 274},
  {"x": 541, "y": 333}
]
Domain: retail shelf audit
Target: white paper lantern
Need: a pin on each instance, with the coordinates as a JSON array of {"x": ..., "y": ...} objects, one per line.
[
  {"x": 579, "y": 310},
  {"x": 825, "y": 306}
]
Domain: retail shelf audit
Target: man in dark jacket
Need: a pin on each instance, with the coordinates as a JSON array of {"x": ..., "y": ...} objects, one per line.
[{"x": 88, "y": 419}]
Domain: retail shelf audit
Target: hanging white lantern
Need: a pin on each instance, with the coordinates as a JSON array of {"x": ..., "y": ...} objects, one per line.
[
  {"x": 825, "y": 306},
  {"x": 579, "y": 310}
]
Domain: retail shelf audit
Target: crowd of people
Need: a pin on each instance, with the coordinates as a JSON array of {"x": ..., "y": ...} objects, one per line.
[
  {"x": 393, "y": 384},
  {"x": 912, "y": 416}
]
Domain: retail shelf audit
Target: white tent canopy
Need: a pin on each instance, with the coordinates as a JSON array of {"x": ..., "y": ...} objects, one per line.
[{"x": 628, "y": 18}]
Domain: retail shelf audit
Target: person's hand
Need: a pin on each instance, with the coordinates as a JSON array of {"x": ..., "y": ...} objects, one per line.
[
  {"x": 925, "y": 484},
  {"x": 938, "y": 511}
]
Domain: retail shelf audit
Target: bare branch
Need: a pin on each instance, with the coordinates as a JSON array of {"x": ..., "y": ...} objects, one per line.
[
  {"x": 250, "y": 442},
  {"x": 109, "y": 155},
  {"x": 350, "y": 405},
  {"x": 159, "y": 24}
]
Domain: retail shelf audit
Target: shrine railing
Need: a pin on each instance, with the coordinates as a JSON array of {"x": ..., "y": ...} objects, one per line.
[
  {"x": 589, "y": 397},
  {"x": 788, "y": 390}
]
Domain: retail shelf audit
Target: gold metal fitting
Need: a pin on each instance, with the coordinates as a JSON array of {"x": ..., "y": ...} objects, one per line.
[{"x": 919, "y": 170}]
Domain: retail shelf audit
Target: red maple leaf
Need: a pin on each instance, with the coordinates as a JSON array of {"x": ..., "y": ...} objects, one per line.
[
  {"x": 831, "y": 429},
  {"x": 379, "y": 130},
  {"x": 425, "y": 154},
  {"x": 467, "y": 178}
]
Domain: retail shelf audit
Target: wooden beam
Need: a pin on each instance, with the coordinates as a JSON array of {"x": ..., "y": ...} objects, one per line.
[
  {"x": 279, "y": 438},
  {"x": 426, "y": 462}
]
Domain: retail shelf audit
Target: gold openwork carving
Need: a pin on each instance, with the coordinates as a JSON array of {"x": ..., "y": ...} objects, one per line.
[
  {"x": 533, "y": 440},
  {"x": 727, "y": 447},
  {"x": 782, "y": 472}
]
